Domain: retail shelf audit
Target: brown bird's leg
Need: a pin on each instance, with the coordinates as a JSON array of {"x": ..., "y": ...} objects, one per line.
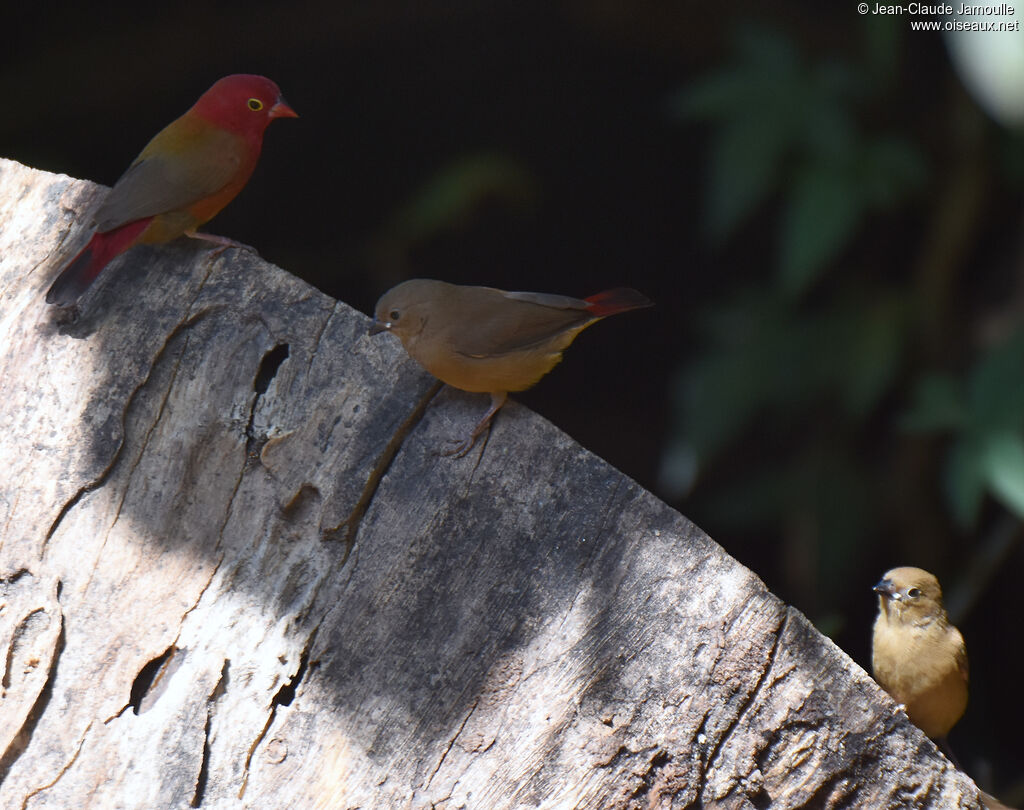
[
  {"x": 222, "y": 241},
  {"x": 465, "y": 445}
]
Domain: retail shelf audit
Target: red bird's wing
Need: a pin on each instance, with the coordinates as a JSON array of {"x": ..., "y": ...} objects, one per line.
[{"x": 182, "y": 165}]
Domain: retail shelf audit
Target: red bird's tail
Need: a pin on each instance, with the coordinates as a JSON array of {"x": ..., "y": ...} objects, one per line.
[
  {"x": 82, "y": 270},
  {"x": 621, "y": 299}
]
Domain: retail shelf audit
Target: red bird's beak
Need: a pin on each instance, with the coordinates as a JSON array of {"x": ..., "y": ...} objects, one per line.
[{"x": 282, "y": 110}]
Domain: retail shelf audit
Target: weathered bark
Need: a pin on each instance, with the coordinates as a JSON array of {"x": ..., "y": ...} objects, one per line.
[{"x": 524, "y": 627}]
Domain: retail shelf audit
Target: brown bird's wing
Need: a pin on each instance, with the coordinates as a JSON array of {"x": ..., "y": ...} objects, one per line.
[
  {"x": 504, "y": 322},
  {"x": 961, "y": 654},
  {"x": 177, "y": 168},
  {"x": 547, "y": 300}
]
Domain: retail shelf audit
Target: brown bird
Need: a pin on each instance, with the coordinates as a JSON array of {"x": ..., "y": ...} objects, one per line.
[
  {"x": 917, "y": 656},
  {"x": 485, "y": 340}
]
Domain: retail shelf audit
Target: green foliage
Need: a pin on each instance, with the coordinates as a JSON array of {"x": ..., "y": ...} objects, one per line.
[
  {"x": 985, "y": 414},
  {"x": 452, "y": 196},
  {"x": 785, "y": 127},
  {"x": 801, "y": 365},
  {"x": 770, "y": 358}
]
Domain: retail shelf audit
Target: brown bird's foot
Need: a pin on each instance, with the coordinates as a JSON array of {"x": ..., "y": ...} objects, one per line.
[
  {"x": 222, "y": 242},
  {"x": 463, "y": 446}
]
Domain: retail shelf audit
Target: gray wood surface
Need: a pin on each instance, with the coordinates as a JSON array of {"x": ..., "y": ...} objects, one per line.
[{"x": 186, "y": 619}]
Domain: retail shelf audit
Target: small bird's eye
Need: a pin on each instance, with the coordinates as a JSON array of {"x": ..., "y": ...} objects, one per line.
[
  {"x": 913, "y": 593},
  {"x": 394, "y": 315},
  {"x": 255, "y": 104}
]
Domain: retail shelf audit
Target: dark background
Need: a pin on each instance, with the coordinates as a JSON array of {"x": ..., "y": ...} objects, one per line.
[{"x": 832, "y": 381}]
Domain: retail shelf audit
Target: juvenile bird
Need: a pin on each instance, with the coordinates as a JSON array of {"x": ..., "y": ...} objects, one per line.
[
  {"x": 918, "y": 657},
  {"x": 480, "y": 339},
  {"x": 190, "y": 170}
]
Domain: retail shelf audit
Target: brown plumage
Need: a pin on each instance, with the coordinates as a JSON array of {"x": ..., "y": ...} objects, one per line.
[
  {"x": 918, "y": 657},
  {"x": 485, "y": 340}
]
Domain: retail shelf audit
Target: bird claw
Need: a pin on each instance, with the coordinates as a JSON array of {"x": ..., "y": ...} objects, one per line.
[{"x": 462, "y": 446}]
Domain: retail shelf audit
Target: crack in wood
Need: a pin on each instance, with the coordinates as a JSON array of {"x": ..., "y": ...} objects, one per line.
[
  {"x": 319, "y": 337},
  {"x": 451, "y": 743},
  {"x": 283, "y": 697},
  {"x": 23, "y": 628},
  {"x": 60, "y": 774},
  {"x": 14, "y": 576},
  {"x": 649, "y": 777},
  {"x": 762, "y": 678},
  {"x": 199, "y": 598},
  {"x": 21, "y": 740},
  {"x": 346, "y": 530},
  {"x": 211, "y": 706},
  {"x": 105, "y": 473}
]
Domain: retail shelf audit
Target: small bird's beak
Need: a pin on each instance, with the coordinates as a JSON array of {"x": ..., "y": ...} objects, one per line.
[
  {"x": 282, "y": 110},
  {"x": 377, "y": 327},
  {"x": 886, "y": 588}
]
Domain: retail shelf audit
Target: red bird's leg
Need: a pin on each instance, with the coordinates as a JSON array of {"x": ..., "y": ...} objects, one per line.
[
  {"x": 465, "y": 445},
  {"x": 222, "y": 242}
]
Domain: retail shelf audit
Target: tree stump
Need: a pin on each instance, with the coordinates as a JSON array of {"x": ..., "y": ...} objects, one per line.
[{"x": 235, "y": 572}]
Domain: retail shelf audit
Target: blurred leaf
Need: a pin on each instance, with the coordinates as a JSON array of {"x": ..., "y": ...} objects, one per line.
[
  {"x": 965, "y": 480},
  {"x": 765, "y": 48},
  {"x": 1004, "y": 469},
  {"x": 996, "y": 387},
  {"x": 767, "y": 356},
  {"x": 1011, "y": 156},
  {"x": 744, "y": 169},
  {"x": 720, "y": 96},
  {"x": 785, "y": 127},
  {"x": 768, "y": 495},
  {"x": 455, "y": 193},
  {"x": 882, "y": 38},
  {"x": 938, "y": 404},
  {"x": 720, "y": 394},
  {"x": 751, "y": 103},
  {"x": 678, "y": 468},
  {"x": 874, "y": 351},
  {"x": 824, "y": 210},
  {"x": 988, "y": 454},
  {"x": 889, "y": 170}
]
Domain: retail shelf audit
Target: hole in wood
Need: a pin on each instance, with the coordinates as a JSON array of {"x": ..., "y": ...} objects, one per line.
[
  {"x": 152, "y": 679},
  {"x": 286, "y": 694},
  {"x": 271, "y": 362}
]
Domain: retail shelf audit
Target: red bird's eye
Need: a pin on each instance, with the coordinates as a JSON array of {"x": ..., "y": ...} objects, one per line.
[{"x": 255, "y": 104}]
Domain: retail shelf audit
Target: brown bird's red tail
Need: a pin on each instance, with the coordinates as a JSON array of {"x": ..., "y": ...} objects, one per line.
[
  {"x": 82, "y": 270},
  {"x": 621, "y": 299}
]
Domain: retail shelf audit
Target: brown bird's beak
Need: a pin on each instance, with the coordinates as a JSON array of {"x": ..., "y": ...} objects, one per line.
[
  {"x": 886, "y": 588},
  {"x": 377, "y": 327},
  {"x": 282, "y": 110}
]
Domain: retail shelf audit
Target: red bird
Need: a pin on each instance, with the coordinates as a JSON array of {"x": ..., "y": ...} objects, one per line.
[{"x": 192, "y": 168}]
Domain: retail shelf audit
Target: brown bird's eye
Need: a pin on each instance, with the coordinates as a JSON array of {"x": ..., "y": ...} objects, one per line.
[
  {"x": 255, "y": 104},
  {"x": 913, "y": 593},
  {"x": 394, "y": 315}
]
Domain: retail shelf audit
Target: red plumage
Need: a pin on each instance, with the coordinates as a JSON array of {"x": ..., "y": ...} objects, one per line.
[
  {"x": 186, "y": 174},
  {"x": 83, "y": 269},
  {"x": 612, "y": 302}
]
